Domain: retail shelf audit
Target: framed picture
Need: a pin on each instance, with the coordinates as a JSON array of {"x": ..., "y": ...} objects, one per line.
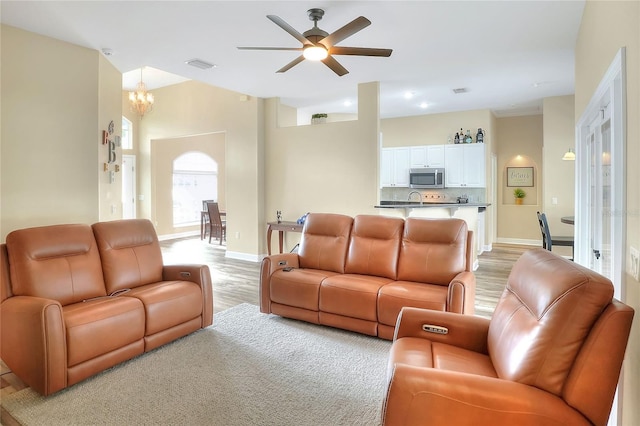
[{"x": 519, "y": 176}]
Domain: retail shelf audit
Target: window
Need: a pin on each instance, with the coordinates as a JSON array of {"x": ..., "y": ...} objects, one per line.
[
  {"x": 127, "y": 134},
  {"x": 195, "y": 178}
]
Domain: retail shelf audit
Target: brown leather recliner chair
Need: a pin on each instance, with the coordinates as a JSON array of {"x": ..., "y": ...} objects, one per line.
[{"x": 550, "y": 355}]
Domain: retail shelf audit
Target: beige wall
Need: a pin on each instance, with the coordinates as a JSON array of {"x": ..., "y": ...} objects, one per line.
[
  {"x": 519, "y": 144},
  {"x": 194, "y": 108},
  {"x": 109, "y": 109},
  {"x": 559, "y": 175},
  {"x": 163, "y": 153},
  {"x": 54, "y": 106},
  {"x": 329, "y": 168},
  {"x": 606, "y": 27}
]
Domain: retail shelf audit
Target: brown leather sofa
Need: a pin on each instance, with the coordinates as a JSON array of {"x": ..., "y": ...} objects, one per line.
[
  {"x": 550, "y": 355},
  {"x": 77, "y": 299},
  {"x": 357, "y": 273}
]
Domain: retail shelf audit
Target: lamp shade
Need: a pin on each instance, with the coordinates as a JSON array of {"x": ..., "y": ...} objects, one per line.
[{"x": 569, "y": 155}]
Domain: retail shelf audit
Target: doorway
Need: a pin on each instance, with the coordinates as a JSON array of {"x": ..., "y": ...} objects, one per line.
[
  {"x": 128, "y": 186},
  {"x": 600, "y": 185}
]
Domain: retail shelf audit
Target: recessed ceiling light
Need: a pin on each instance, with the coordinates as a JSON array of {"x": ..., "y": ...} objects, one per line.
[
  {"x": 199, "y": 63},
  {"x": 107, "y": 52},
  {"x": 423, "y": 105},
  {"x": 347, "y": 103},
  {"x": 409, "y": 95}
]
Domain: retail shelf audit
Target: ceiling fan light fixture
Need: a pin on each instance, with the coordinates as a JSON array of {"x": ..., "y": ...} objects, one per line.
[{"x": 315, "y": 53}]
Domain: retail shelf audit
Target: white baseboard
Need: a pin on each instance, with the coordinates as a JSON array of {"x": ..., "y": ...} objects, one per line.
[
  {"x": 178, "y": 235},
  {"x": 487, "y": 247},
  {"x": 520, "y": 242},
  {"x": 244, "y": 256},
  {"x": 476, "y": 265}
]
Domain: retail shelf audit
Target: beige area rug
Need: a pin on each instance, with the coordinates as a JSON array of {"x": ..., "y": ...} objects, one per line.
[{"x": 247, "y": 369}]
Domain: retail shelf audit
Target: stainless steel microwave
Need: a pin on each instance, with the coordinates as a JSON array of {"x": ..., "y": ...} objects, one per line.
[{"x": 426, "y": 178}]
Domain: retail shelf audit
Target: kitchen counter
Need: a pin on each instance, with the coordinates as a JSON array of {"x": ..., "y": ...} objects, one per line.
[{"x": 417, "y": 205}]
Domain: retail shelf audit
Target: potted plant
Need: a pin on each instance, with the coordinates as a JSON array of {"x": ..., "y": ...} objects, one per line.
[
  {"x": 319, "y": 118},
  {"x": 519, "y": 194}
]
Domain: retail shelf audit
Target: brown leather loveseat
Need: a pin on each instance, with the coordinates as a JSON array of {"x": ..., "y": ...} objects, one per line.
[
  {"x": 77, "y": 299},
  {"x": 550, "y": 355},
  {"x": 357, "y": 273}
]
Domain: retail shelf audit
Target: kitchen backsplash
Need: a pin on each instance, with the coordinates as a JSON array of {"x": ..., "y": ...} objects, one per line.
[{"x": 448, "y": 195}]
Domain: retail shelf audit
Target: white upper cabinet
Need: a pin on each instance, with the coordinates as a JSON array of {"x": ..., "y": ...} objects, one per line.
[
  {"x": 394, "y": 167},
  {"x": 427, "y": 156},
  {"x": 465, "y": 165}
]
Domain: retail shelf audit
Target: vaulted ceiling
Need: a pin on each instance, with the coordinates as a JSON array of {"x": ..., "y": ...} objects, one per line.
[{"x": 508, "y": 55}]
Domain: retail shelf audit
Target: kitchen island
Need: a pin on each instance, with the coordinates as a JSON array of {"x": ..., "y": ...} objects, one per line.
[{"x": 472, "y": 213}]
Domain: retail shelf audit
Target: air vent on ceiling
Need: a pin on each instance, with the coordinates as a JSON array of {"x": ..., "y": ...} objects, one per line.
[
  {"x": 199, "y": 63},
  {"x": 460, "y": 90}
]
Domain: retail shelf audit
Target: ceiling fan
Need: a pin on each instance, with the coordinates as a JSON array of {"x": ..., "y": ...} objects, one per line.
[{"x": 318, "y": 45}]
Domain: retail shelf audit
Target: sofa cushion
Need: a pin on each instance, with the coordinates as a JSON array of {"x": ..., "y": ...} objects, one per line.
[
  {"x": 351, "y": 295},
  {"x": 324, "y": 242},
  {"x": 299, "y": 287},
  {"x": 433, "y": 250},
  {"x": 374, "y": 246},
  {"x": 99, "y": 326},
  {"x": 168, "y": 303},
  {"x": 392, "y": 297},
  {"x": 543, "y": 318},
  {"x": 59, "y": 262},
  {"x": 130, "y": 253}
]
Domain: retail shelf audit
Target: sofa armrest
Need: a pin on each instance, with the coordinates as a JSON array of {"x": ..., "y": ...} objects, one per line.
[
  {"x": 33, "y": 342},
  {"x": 465, "y": 331},
  {"x": 200, "y": 275},
  {"x": 417, "y": 396},
  {"x": 270, "y": 264},
  {"x": 462, "y": 293}
]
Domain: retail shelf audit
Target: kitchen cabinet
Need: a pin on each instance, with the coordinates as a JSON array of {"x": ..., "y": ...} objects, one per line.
[
  {"x": 431, "y": 156},
  {"x": 465, "y": 166},
  {"x": 394, "y": 167}
]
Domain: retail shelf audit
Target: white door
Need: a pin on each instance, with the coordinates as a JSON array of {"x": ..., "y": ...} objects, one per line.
[
  {"x": 600, "y": 170},
  {"x": 128, "y": 186}
]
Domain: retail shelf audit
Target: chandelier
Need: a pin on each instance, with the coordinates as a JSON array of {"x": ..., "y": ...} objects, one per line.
[{"x": 141, "y": 101}]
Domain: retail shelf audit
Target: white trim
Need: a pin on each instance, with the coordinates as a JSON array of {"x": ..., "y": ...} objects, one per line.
[
  {"x": 520, "y": 242},
  {"x": 244, "y": 256},
  {"x": 178, "y": 235},
  {"x": 487, "y": 247}
]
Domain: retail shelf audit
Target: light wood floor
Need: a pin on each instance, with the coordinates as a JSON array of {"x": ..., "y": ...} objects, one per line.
[{"x": 236, "y": 281}]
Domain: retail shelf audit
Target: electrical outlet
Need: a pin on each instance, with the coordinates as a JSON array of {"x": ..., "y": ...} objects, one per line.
[
  {"x": 237, "y": 235},
  {"x": 554, "y": 200},
  {"x": 635, "y": 263}
]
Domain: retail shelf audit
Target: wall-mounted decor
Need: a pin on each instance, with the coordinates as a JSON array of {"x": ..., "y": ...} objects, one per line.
[{"x": 519, "y": 176}]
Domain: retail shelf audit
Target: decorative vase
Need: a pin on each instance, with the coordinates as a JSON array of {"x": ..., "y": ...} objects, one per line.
[{"x": 519, "y": 201}]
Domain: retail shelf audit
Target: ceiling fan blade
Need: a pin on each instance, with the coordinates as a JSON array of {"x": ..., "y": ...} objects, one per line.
[
  {"x": 291, "y": 64},
  {"x": 360, "y": 51},
  {"x": 288, "y": 28},
  {"x": 335, "y": 66},
  {"x": 348, "y": 30},
  {"x": 270, "y": 48}
]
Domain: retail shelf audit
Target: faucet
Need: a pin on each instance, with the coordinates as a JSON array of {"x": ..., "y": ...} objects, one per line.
[{"x": 414, "y": 192}]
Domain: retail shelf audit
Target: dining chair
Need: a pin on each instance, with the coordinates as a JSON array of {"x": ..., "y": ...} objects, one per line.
[
  {"x": 548, "y": 241},
  {"x": 216, "y": 224},
  {"x": 204, "y": 219}
]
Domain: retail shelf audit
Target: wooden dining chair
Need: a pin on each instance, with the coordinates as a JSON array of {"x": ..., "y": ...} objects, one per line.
[
  {"x": 216, "y": 224},
  {"x": 548, "y": 241},
  {"x": 204, "y": 219}
]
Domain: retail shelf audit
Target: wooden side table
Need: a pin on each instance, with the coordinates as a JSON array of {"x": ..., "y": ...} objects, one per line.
[{"x": 281, "y": 227}]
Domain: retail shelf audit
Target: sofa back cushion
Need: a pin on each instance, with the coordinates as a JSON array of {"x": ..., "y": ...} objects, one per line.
[
  {"x": 130, "y": 253},
  {"x": 374, "y": 246},
  {"x": 59, "y": 262},
  {"x": 324, "y": 242},
  {"x": 433, "y": 251},
  {"x": 543, "y": 317}
]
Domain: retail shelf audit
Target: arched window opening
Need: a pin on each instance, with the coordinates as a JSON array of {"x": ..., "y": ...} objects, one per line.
[{"x": 195, "y": 178}]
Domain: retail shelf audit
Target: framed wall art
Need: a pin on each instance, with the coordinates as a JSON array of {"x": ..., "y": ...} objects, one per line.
[{"x": 519, "y": 176}]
